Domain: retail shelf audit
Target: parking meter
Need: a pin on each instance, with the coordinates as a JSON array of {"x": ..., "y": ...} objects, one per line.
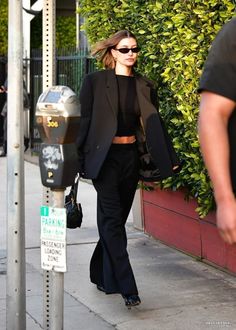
[{"x": 57, "y": 117}]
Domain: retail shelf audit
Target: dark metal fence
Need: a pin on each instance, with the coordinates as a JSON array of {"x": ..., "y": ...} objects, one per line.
[{"x": 71, "y": 67}]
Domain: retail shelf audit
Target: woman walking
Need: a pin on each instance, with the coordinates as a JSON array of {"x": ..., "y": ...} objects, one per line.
[{"x": 119, "y": 117}]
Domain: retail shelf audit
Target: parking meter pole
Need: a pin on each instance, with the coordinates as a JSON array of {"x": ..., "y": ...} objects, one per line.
[
  {"x": 15, "y": 297},
  {"x": 57, "y": 279},
  {"x": 49, "y": 78},
  {"x": 49, "y": 43}
]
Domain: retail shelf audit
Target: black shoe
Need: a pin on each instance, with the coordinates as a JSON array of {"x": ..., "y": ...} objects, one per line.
[
  {"x": 131, "y": 300},
  {"x": 101, "y": 288}
]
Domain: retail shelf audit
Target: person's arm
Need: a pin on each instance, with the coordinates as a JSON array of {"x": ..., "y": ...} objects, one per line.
[
  {"x": 3, "y": 89},
  {"x": 215, "y": 111}
]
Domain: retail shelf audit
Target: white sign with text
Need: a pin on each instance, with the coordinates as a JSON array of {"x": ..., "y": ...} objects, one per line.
[{"x": 53, "y": 238}]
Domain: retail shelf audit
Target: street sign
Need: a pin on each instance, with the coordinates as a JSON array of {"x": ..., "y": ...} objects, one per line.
[{"x": 53, "y": 238}]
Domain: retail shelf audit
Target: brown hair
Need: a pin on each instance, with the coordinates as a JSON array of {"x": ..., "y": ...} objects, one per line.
[{"x": 102, "y": 49}]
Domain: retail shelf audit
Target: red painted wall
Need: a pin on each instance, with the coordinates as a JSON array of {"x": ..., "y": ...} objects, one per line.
[{"x": 173, "y": 220}]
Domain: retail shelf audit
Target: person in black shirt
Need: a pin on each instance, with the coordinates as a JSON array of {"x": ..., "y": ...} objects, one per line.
[
  {"x": 119, "y": 116},
  {"x": 217, "y": 126}
]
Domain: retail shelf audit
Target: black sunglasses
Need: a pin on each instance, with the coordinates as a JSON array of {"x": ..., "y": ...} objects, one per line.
[{"x": 126, "y": 50}]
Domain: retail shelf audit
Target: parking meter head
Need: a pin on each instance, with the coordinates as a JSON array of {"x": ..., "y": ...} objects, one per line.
[
  {"x": 57, "y": 118},
  {"x": 58, "y": 115}
]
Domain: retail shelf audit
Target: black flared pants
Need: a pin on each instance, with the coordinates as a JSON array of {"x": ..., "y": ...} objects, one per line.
[{"x": 116, "y": 185}]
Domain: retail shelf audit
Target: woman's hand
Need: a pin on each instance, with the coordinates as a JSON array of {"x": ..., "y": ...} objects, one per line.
[{"x": 226, "y": 220}]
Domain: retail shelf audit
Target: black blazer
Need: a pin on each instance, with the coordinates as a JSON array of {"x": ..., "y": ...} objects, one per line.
[{"x": 98, "y": 123}]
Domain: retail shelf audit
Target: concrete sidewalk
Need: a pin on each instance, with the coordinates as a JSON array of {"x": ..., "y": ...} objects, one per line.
[{"x": 177, "y": 292}]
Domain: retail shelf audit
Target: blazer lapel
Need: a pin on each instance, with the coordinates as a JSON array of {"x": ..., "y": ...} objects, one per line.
[{"x": 112, "y": 90}]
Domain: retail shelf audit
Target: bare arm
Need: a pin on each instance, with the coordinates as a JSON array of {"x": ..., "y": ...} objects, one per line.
[{"x": 215, "y": 111}]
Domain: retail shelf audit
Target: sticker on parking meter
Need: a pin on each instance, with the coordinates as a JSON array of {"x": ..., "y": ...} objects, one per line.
[{"x": 53, "y": 238}]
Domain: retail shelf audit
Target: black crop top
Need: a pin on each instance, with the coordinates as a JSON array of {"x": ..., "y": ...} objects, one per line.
[{"x": 129, "y": 112}]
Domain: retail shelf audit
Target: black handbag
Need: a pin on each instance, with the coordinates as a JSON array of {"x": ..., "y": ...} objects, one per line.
[
  {"x": 148, "y": 171},
  {"x": 74, "y": 212}
]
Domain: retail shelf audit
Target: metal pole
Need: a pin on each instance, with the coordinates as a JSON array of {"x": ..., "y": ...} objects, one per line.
[
  {"x": 57, "y": 280},
  {"x": 81, "y": 40},
  {"x": 53, "y": 281},
  {"x": 77, "y": 24},
  {"x": 16, "y": 318},
  {"x": 49, "y": 43}
]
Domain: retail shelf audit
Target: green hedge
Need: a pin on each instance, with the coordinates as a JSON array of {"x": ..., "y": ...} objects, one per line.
[
  {"x": 4, "y": 28},
  {"x": 175, "y": 37},
  {"x": 65, "y": 30}
]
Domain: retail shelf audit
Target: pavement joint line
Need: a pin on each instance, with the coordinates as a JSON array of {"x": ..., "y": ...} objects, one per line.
[
  {"x": 89, "y": 309},
  {"x": 194, "y": 258},
  {"x": 72, "y": 244},
  {"x": 68, "y": 244},
  {"x": 33, "y": 318}
]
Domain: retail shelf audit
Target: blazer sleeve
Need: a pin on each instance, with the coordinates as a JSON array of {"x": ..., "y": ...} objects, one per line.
[
  {"x": 172, "y": 153},
  {"x": 168, "y": 142},
  {"x": 86, "y": 102},
  {"x": 154, "y": 97}
]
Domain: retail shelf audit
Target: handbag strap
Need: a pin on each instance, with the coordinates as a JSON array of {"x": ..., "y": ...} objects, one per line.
[{"x": 75, "y": 186}]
